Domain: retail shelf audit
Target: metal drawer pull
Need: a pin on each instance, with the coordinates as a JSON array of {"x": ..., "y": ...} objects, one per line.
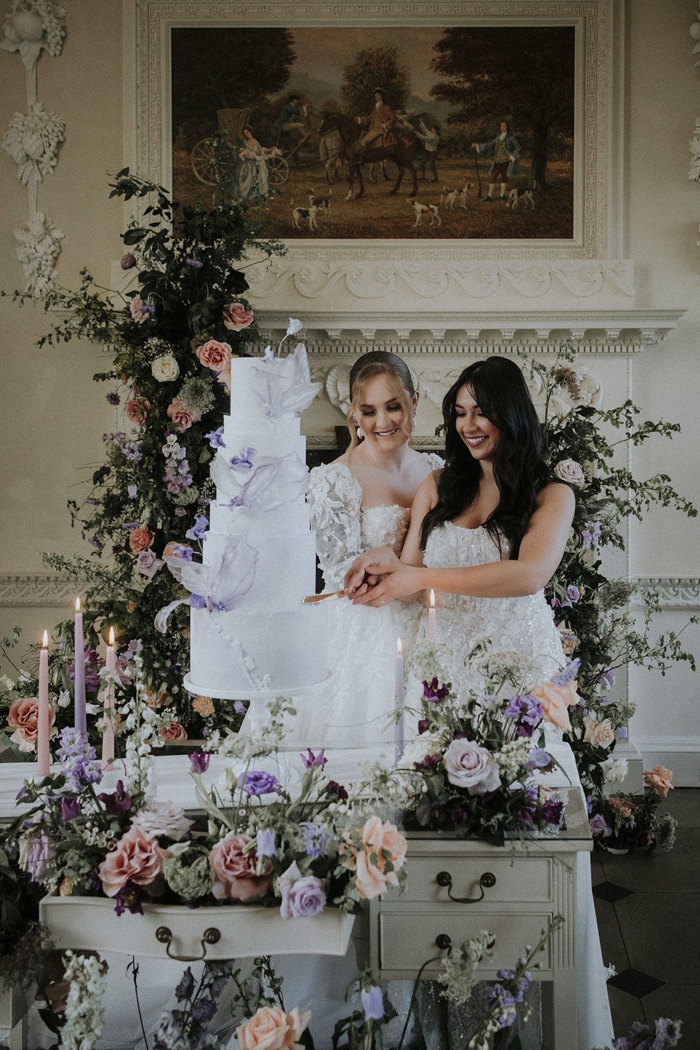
[
  {"x": 443, "y": 942},
  {"x": 487, "y": 880},
  {"x": 210, "y": 936}
]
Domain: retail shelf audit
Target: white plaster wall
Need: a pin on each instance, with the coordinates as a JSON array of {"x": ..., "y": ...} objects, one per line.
[{"x": 53, "y": 415}]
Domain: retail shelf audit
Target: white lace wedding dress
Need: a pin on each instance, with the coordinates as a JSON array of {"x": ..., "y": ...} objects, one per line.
[{"x": 359, "y": 700}]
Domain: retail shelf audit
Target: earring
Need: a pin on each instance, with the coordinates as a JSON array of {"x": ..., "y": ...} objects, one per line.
[
  {"x": 414, "y": 417},
  {"x": 357, "y": 427}
]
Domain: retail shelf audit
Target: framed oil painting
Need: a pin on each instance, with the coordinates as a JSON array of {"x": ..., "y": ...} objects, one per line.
[{"x": 476, "y": 127}]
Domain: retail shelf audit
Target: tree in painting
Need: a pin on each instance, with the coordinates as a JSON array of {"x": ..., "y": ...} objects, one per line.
[
  {"x": 375, "y": 67},
  {"x": 522, "y": 74},
  {"x": 222, "y": 77}
]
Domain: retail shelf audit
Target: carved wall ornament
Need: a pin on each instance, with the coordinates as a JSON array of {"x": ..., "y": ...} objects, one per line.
[
  {"x": 32, "y": 140},
  {"x": 38, "y": 248}
]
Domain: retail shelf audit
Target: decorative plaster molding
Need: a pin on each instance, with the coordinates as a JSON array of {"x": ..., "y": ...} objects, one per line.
[
  {"x": 694, "y": 173},
  {"x": 619, "y": 332},
  {"x": 35, "y": 589},
  {"x": 673, "y": 592},
  {"x": 695, "y": 34}
]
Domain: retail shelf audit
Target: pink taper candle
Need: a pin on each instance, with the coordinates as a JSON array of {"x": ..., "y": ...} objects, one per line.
[
  {"x": 43, "y": 726},
  {"x": 398, "y": 703},
  {"x": 108, "y": 731},
  {"x": 431, "y": 617},
  {"x": 79, "y": 718}
]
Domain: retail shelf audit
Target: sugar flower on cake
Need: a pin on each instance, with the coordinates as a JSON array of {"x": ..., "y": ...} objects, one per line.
[
  {"x": 260, "y": 483},
  {"x": 270, "y": 1028},
  {"x": 216, "y": 585},
  {"x": 283, "y": 384}
]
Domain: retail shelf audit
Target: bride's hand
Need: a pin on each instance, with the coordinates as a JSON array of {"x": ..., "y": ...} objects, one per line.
[
  {"x": 396, "y": 583},
  {"x": 369, "y": 566}
]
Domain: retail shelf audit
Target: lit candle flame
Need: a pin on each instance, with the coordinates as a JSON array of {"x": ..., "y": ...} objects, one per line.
[
  {"x": 77, "y": 605},
  {"x": 111, "y": 636},
  {"x": 45, "y": 642},
  {"x": 432, "y": 599}
]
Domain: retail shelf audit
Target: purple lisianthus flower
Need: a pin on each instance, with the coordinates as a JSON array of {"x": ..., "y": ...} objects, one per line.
[
  {"x": 315, "y": 839},
  {"x": 568, "y": 674},
  {"x": 70, "y": 809},
  {"x": 199, "y": 528},
  {"x": 538, "y": 759},
  {"x": 527, "y": 712},
  {"x": 302, "y": 898},
  {"x": 216, "y": 438},
  {"x": 434, "y": 691},
  {"x": 552, "y": 811},
  {"x": 258, "y": 782},
  {"x": 372, "y": 1000},
  {"x": 130, "y": 898},
  {"x": 186, "y": 986},
  {"x": 199, "y": 761},
  {"x": 36, "y": 854},
  {"x": 573, "y": 593},
  {"x": 118, "y": 802},
  {"x": 599, "y": 826},
  {"x": 265, "y": 843},
  {"x": 310, "y": 759}
]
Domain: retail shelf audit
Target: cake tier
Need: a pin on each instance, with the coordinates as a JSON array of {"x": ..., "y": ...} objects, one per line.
[
  {"x": 268, "y": 437},
  {"x": 285, "y": 570},
  {"x": 245, "y": 653},
  {"x": 249, "y": 376}
]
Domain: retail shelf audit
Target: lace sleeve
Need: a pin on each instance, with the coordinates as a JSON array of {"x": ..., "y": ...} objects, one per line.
[{"x": 334, "y": 499}]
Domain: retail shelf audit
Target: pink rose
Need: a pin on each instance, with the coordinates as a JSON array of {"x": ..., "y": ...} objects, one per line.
[
  {"x": 472, "y": 767},
  {"x": 23, "y": 716},
  {"x": 235, "y": 870},
  {"x": 659, "y": 780},
  {"x": 182, "y": 419},
  {"x": 571, "y": 471},
  {"x": 139, "y": 310},
  {"x": 137, "y": 410},
  {"x": 378, "y": 839},
  {"x": 137, "y": 858},
  {"x": 148, "y": 564},
  {"x": 174, "y": 731},
  {"x": 270, "y": 1028},
  {"x": 140, "y": 540},
  {"x": 237, "y": 317},
  {"x": 555, "y": 700},
  {"x": 127, "y": 261},
  {"x": 600, "y": 734},
  {"x": 215, "y": 355}
]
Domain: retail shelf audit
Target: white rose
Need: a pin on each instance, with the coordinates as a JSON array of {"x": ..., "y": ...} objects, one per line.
[
  {"x": 163, "y": 818},
  {"x": 419, "y": 748},
  {"x": 571, "y": 471},
  {"x": 614, "y": 770},
  {"x": 165, "y": 368}
]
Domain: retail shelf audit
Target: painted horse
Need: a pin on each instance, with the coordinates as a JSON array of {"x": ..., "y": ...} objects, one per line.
[{"x": 397, "y": 146}]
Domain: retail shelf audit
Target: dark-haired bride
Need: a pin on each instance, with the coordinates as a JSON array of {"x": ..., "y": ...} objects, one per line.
[{"x": 487, "y": 533}]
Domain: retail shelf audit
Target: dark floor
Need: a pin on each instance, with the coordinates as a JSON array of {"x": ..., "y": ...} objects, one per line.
[{"x": 648, "y": 911}]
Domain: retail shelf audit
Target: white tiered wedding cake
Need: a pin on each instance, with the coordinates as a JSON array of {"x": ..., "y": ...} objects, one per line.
[{"x": 250, "y": 635}]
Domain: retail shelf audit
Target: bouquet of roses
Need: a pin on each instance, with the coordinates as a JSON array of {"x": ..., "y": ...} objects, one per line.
[
  {"x": 623, "y": 821},
  {"x": 473, "y": 767}
]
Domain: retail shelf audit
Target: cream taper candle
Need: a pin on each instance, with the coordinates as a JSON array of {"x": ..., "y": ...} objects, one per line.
[{"x": 43, "y": 756}]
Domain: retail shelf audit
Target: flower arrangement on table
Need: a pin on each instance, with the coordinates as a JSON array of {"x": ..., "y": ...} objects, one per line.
[
  {"x": 473, "y": 767},
  {"x": 297, "y": 853},
  {"x": 630, "y": 821}
]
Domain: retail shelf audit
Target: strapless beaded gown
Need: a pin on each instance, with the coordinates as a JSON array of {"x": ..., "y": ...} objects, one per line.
[{"x": 522, "y": 625}]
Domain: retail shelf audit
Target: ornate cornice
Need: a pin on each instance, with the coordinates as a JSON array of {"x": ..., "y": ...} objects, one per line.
[
  {"x": 673, "y": 592},
  {"x": 37, "y": 589}
]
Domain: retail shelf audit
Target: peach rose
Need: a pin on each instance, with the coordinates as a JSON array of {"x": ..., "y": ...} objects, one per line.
[
  {"x": 203, "y": 705},
  {"x": 137, "y": 858},
  {"x": 235, "y": 870},
  {"x": 23, "y": 716},
  {"x": 182, "y": 419},
  {"x": 215, "y": 355},
  {"x": 155, "y": 701},
  {"x": 237, "y": 317},
  {"x": 174, "y": 731},
  {"x": 270, "y": 1028},
  {"x": 378, "y": 837},
  {"x": 659, "y": 780},
  {"x": 140, "y": 540},
  {"x": 137, "y": 410},
  {"x": 555, "y": 699},
  {"x": 600, "y": 734}
]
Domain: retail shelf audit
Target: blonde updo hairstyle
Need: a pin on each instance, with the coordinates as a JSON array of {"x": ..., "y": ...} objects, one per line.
[{"x": 381, "y": 363}]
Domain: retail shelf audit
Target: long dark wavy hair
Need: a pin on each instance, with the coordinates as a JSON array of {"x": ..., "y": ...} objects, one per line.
[{"x": 519, "y": 470}]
